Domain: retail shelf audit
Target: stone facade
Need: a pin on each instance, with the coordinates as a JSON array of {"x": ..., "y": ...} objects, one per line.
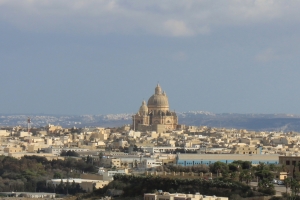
[{"x": 155, "y": 116}]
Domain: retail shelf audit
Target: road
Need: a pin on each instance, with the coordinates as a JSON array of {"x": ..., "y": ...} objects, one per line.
[{"x": 278, "y": 188}]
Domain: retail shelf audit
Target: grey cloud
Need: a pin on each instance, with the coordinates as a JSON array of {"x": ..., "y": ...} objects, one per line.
[{"x": 169, "y": 18}]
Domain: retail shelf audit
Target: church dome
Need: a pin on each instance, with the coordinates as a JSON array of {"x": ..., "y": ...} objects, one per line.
[
  {"x": 159, "y": 99},
  {"x": 143, "y": 109}
]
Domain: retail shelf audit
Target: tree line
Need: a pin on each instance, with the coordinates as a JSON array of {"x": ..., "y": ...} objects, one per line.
[
  {"x": 231, "y": 180},
  {"x": 30, "y": 173},
  {"x": 138, "y": 185}
]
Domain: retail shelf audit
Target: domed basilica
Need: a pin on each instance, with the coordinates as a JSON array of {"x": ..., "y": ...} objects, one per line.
[{"x": 155, "y": 116}]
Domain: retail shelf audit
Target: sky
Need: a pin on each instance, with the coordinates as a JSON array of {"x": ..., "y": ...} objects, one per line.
[{"x": 106, "y": 56}]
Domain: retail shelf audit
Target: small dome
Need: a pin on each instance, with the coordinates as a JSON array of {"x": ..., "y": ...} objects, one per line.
[
  {"x": 143, "y": 109},
  {"x": 159, "y": 99}
]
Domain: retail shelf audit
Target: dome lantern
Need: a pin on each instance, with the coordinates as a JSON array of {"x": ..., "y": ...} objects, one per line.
[
  {"x": 158, "y": 101},
  {"x": 158, "y": 89},
  {"x": 143, "y": 109}
]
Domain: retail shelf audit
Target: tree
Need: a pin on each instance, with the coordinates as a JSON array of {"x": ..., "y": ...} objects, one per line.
[
  {"x": 225, "y": 175},
  {"x": 265, "y": 176},
  {"x": 89, "y": 159},
  {"x": 235, "y": 197},
  {"x": 294, "y": 168},
  {"x": 272, "y": 167},
  {"x": 241, "y": 176},
  {"x": 57, "y": 175},
  {"x": 69, "y": 153},
  {"x": 262, "y": 171},
  {"x": 265, "y": 186},
  {"x": 60, "y": 187},
  {"x": 243, "y": 164},
  {"x": 67, "y": 186},
  {"x": 247, "y": 176},
  {"x": 101, "y": 154},
  {"x": 233, "y": 175},
  {"x": 295, "y": 188},
  {"x": 218, "y": 167},
  {"x": 63, "y": 153},
  {"x": 283, "y": 168},
  {"x": 135, "y": 163},
  {"x": 287, "y": 182},
  {"x": 125, "y": 165},
  {"x": 233, "y": 167}
]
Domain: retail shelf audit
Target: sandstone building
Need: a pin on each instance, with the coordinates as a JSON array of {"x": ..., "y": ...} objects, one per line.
[{"x": 156, "y": 115}]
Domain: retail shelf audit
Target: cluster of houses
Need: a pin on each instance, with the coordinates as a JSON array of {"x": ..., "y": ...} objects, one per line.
[{"x": 123, "y": 150}]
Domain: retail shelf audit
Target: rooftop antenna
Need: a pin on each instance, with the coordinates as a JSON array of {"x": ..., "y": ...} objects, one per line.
[
  {"x": 28, "y": 124},
  {"x": 28, "y": 128}
]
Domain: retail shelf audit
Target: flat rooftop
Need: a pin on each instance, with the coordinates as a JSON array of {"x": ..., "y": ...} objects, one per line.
[{"x": 248, "y": 157}]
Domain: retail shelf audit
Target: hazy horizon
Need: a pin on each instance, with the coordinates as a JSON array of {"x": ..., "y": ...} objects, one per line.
[{"x": 178, "y": 112}]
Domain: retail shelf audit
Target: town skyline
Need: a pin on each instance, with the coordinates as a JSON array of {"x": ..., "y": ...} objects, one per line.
[{"x": 257, "y": 122}]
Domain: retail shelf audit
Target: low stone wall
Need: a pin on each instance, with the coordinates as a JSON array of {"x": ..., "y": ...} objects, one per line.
[
  {"x": 25, "y": 198},
  {"x": 258, "y": 198},
  {"x": 181, "y": 174}
]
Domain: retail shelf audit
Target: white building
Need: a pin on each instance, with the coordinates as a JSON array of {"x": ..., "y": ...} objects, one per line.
[
  {"x": 164, "y": 149},
  {"x": 180, "y": 196},
  {"x": 108, "y": 176},
  {"x": 58, "y": 150},
  {"x": 30, "y": 195}
]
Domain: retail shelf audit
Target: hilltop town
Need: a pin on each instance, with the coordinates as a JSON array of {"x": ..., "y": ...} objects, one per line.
[
  {"x": 154, "y": 141},
  {"x": 254, "y": 122}
]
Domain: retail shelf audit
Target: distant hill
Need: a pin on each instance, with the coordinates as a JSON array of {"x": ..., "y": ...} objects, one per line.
[{"x": 257, "y": 122}]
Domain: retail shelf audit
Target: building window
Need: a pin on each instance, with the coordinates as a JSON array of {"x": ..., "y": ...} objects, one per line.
[
  {"x": 287, "y": 162},
  {"x": 294, "y": 162}
]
